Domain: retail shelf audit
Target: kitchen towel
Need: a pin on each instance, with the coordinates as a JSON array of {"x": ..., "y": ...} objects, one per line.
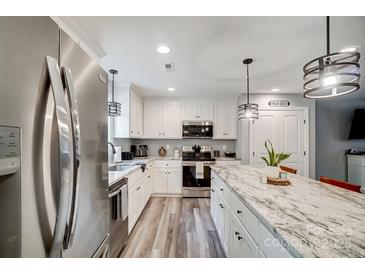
[
  {"x": 199, "y": 170},
  {"x": 124, "y": 192}
]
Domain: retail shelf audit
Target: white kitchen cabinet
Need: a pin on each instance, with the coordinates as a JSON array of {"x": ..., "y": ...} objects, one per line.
[
  {"x": 198, "y": 110},
  {"x": 241, "y": 233},
  {"x": 168, "y": 177},
  {"x": 130, "y": 123},
  {"x": 225, "y": 119},
  {"x": 162, "y": 120},
  {"x": 160, "y": 180}
]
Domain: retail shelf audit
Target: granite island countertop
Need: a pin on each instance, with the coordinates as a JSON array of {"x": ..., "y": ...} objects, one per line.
[{"x": 315, "y": 219}]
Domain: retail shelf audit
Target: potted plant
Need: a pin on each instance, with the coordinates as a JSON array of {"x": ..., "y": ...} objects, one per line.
[{"x": 274, "y": 159}]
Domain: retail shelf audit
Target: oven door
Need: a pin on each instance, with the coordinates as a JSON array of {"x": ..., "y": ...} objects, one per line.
[
  {"x": 197, "y": 130},
  {"x": 190, "y": 180}
]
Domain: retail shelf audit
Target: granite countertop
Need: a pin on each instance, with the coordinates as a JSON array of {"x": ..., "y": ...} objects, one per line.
[
  {"x": 313, "y": 218},
  {"x": 115, "y": 176}
]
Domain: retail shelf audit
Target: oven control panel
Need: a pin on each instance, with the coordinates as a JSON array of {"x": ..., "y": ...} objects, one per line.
[{"x": 9, "y": 150}]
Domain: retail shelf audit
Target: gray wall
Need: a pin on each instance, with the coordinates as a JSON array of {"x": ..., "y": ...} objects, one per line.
[
  {"x": 242, "y": 144},
  {"x": 334, "y": 118}
]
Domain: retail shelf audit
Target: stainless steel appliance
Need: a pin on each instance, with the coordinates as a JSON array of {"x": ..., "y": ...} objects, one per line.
[
  {"x": 139, "y": 150},
  {"x": 197, "y": 129},
  {"x": 193, "y": 185},
  {"x": 57, "y": 96},
  {"x": 118, "y": 205},
  {"x": 127, "y": 155}
]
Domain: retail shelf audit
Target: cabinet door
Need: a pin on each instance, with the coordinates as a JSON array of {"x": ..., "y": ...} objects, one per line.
[
  {"x": 226, "y": 227},
  {"x": 237, "y": 241},
  {"x": 172, "y": 120},
  {"x": 190, "y": 111},
  {"x": 220, "y": 113},
  {"x": 133, "y": 118},
  {"x": 174, "y": 181},
  {"x": 160, "y": 180},
  {"x": 213, "y": 203},
  {"x": 139, "y": 117},
  {"x": 153, "y": 120},
  {"x": 231, "y": 120},
  {"x": 205, "y": 111}
]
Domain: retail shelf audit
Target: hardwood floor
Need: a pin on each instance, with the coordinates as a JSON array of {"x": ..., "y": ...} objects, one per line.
[{"x": 174, "y": 228}]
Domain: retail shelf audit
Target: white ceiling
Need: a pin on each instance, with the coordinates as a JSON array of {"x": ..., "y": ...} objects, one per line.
[{"x": 208, "y": 51}]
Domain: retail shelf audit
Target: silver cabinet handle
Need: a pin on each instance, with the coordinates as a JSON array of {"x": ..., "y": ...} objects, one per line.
[
  {"x": 75, "y": 122},
  {"x": 64, "y": 156}
]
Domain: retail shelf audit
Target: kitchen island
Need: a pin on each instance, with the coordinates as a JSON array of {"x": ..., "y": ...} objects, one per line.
[{"x": 308, "y": 218}]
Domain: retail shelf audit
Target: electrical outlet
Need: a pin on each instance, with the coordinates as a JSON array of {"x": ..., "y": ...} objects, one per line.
[{"x": 224, "y": 147}]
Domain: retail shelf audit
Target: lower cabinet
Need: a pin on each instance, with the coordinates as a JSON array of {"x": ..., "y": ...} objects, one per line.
[
  {"x": 240, "y": 231},
  {"x": 168, "y": 177},
  {"x": 138, "y": 195}
]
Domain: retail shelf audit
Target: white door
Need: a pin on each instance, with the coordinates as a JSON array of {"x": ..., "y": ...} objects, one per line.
[
  {"x": 190, "y": 111},
  {"x": 153, "y": 120},
  {"x": 174, "y": 184},
  {"x": 171, "y": 120},
  {"x": 160, "y": 180},
  {"x": 287, "y": 131},
  {"x": 291, "y": 138},
  {"x": 262, "y": 129},
  {"x": 205, "y": 111}
]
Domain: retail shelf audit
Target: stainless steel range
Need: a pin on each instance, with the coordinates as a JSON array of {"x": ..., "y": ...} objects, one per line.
[{"x": 196, "y": 170}]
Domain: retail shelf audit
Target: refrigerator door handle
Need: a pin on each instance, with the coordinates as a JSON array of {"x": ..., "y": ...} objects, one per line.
[
  {"x": 75, "y": 122},
  {"x": 64, "y": 159}
]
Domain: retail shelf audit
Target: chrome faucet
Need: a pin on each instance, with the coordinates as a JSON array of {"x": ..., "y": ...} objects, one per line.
[{"x": 113, "y": 147}]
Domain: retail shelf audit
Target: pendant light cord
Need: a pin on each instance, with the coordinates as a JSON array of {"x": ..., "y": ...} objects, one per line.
[
  {"x": 328, "y": 35},
  {"x": 248, "y": 86}
]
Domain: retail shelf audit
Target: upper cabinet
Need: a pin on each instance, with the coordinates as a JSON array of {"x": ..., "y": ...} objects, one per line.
[
  {"x": 162, "y": 119},
  {"x": 197, "y": 110},
  {"x": 225, "y": 119},
  {"x": 130, "y": 123}
]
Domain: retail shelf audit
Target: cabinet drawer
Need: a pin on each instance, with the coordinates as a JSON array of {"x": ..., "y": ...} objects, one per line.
[
  {"x": 246, "y": 217},
  {"x": 134, "y": 177},
  {"x": 270, "y": 245},
  {"x": 223, "y": 188},
  {"x": 168, "y": 164}
]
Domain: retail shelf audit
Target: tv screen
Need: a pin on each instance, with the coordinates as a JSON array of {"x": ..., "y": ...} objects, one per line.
[{"x": 357, "y": 130}]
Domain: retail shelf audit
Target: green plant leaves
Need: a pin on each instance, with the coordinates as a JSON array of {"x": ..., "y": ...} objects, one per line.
[{"x": 274, "y": 158}]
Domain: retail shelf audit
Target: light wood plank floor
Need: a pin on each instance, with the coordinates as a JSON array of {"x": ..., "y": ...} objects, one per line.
[{"x": 174, "y": 228}]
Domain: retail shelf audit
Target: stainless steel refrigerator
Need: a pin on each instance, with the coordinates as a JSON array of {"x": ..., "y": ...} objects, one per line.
[{"x": 53, "y": 144}]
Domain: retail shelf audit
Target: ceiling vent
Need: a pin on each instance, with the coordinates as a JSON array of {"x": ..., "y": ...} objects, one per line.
[{"x": 169, "y": 67}]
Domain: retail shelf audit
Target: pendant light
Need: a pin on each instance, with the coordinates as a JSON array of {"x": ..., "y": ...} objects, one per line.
[
  {"x": 248, "y": 111},
  {"x": 114, "y": 108},
  {"x": 333, "y": 74}
]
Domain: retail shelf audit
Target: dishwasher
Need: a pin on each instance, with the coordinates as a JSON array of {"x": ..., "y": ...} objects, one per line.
[{"x": 118, "y": 203}]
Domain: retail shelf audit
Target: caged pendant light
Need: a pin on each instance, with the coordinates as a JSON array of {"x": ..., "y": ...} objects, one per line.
[
  {"x": 333, "y": 74},
  {"x": 248, "y": 111},
  {"x": 114, "y": 108}
]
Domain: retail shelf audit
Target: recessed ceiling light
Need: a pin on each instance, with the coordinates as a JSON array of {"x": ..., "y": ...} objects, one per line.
[
  {"x": 163, "y": 49},
  {"x": 275, "y": 89},
  {"x": 350, "y": 49},
  {"x": 171, "y": 89}
]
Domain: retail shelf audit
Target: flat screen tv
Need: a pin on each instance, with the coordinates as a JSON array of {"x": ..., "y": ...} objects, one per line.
[{"x": 357, "y": 130}]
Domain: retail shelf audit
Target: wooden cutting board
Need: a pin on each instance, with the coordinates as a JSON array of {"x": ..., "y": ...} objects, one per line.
[{"x": 277, "y": 181}]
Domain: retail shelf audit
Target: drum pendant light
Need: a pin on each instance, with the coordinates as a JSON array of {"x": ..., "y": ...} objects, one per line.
[
  {"x": 333, "y": 74},
  {"x": 248, "y": 111},
  {"x": 114, "y": 108}
]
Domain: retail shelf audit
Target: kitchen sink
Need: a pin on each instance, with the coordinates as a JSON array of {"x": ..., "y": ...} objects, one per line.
[{"x": 119, "y": 168}]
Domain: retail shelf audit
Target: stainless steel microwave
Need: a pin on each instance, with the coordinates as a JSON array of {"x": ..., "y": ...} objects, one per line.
[{"x": 197, "y": 129}]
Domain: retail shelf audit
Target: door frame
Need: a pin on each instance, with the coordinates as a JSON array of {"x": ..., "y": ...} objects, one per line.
[{"x": 305, "y": 133}]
